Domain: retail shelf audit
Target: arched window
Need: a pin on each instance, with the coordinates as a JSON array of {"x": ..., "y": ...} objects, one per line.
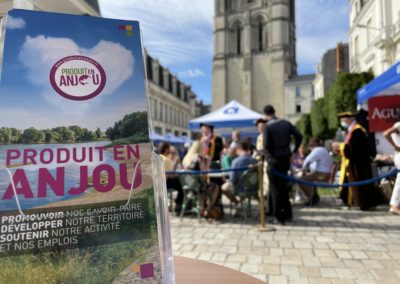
[
  {"x": 259, "y": 34},
  {"x": 236, "y": 38}
]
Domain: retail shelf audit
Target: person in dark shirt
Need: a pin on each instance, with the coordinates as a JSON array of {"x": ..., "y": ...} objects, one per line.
[{"x": 277, "y": 139}]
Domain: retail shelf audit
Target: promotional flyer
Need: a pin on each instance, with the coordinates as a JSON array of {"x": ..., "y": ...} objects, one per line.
[{"x": 77, "y": 195}]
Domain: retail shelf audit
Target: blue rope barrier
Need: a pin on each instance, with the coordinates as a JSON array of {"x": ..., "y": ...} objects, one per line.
[
  {"x": 327, "y": 185},
  {"x": 291, "y": 178},
  {"x": 206, "y": 172}
]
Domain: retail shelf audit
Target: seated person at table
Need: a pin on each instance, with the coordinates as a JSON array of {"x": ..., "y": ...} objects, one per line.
[
  {"x": 243, "y": 160},
  {"x": 174, "y": 157},
  {"x": 227, "y": 157},
  {"x": 316, "y": 167},
  {"x": 172, "y": 180},
  {"x": 195, "y": 161}
]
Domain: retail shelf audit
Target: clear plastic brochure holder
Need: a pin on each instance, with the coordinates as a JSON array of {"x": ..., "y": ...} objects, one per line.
[{"x": 164, "y": 233}]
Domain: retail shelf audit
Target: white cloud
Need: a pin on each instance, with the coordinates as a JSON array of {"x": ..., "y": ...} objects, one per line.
[
  {"x": 15, "y": 23},
  {"x": 191, "y": 73},
  {"x": 178, "y": 32},
  {"x": 38, "y": 54}
]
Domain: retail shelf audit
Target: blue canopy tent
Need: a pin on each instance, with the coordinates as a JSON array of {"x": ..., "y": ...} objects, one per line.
[
  {"x": 171, "y": 138},
  {"x": 157, "y": 138},
  {"x": 386, "y": 84},
  {"x": 185, "y": 140},
  {"x": 229, "y": 117},
  {"x": 383, "y": 97}
]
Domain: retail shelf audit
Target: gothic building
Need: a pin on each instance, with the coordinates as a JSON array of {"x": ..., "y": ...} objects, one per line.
[{"x": 254, "y": 52}]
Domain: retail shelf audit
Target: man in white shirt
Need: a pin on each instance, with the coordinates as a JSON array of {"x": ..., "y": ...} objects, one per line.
[
  {"x": 316, "y": 167},
  {"x": 393, "y": 136}
]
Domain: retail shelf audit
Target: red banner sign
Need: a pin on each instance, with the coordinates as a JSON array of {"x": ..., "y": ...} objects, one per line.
[{"x": 383, "y": 112}]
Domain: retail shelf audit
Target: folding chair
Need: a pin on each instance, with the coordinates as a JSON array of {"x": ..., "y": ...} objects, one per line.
[
  {"x": 191, "y": 192},
  {"x": 247, "y": 188}
]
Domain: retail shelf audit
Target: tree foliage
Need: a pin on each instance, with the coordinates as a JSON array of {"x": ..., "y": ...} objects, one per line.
[
  {"x": 343, "y": 95},
  {"x": 319, "y": 120},
  {"x": 60, "y": 134},
  {"x": 304, "y": 126},
  {"x": 134, "y": 124}
]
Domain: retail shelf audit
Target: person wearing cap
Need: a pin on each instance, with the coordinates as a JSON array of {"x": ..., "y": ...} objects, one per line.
[
  {"x": 393, "y": 136},
  {"x": 356, "y": 165},
  {"x": 278, "y": 134}
]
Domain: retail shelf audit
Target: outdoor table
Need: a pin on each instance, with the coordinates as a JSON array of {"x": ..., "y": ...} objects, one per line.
[{"x": 195, "y": 271}]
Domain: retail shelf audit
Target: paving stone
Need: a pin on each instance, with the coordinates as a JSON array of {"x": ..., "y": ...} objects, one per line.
[
  {"x": 237, "y": 258},
  {"x": 384, "y": 274},
  {"x": 324, "y": 253},
  {"x": 343, "y": 254},
  {"x": 277, "y": 279},
  {"x": 255, "y": 259},
  {"x": 345, "y": 273},
  {"x": 219, "y": 256},
  {"x": 309, "y": 271},
  {"x": 205, "y": 256},
  {"x": 233, "y": 265},
  {"x": 291, "y": 260},
  {"x": 324, "y": 244},
  {"x": 249, "y": 268},
  {"x": 320, "y": 281},
  {"x": 270, "y": 269},
  {"x": 328, "y": 272},
  {"x": 359, "y": 255},
  {"x": 290, "y": 270}
]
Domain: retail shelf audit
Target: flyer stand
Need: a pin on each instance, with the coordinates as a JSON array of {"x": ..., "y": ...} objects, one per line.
[{"x": 82, "y": 193}]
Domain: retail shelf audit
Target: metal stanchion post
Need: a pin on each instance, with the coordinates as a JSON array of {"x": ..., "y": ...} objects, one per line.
[{"x": 262, "y": 227}]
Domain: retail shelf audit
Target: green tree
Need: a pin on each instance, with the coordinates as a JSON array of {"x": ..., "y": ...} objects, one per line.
[
  {"x": 98, "y": 133},
  {"x": 78, "y": 132},
  {"x": 134, "y": 124},
  {"x": 304, "y": 126},
  {"x": 343, "y": 95},
  {"x": 5, "y": 135},
  {"x": 319, "y": 120},
  {"x": 32, "y": 135}
]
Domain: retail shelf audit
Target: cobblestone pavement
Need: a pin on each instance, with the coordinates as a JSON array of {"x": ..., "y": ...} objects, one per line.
[{"x": 324, "y": 244}]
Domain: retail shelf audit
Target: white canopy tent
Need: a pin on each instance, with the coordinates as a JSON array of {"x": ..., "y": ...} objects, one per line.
[{"x": 228, "y": 118}]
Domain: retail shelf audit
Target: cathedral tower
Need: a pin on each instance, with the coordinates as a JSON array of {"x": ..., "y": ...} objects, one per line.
[{"x": 254, "y": 52}]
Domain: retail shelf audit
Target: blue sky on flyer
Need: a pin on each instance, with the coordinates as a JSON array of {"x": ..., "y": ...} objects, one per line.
[
  {"x": 180, "y": 34},
  {"x": 34, "y": 43}
]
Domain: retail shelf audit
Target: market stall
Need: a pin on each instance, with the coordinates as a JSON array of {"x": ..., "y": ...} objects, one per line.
[
  {"x": 381, "y": 97},
  {"x": 232, "y": 116}
]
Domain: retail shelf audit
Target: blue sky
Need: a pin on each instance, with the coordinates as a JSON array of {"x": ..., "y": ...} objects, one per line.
[
  {"x": 180, "y": 33},
  {"x": 33, "y": 46}
]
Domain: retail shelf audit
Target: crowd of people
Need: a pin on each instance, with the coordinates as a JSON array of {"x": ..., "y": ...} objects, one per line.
[{"x": 281, "y": 149}]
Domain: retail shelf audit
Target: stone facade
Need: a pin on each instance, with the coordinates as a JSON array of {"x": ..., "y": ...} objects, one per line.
[
  {"x": 172, "y": 103},
  {"x": 333, "y": 61},
  {"x": 299, "y": 96},
  {"x": 374, "y": 35},
  {"x": 78, "y": 7},
  {"x": 254, "y": 52}
]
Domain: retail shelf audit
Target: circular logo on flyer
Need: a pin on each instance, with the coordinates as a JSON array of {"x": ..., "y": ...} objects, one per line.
[{"x": 78, "y": 78}]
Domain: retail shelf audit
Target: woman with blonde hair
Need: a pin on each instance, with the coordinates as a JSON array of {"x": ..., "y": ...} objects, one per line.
[
  {"x": 195, "y": 161},
  {"x": 192, "y": 156}
]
